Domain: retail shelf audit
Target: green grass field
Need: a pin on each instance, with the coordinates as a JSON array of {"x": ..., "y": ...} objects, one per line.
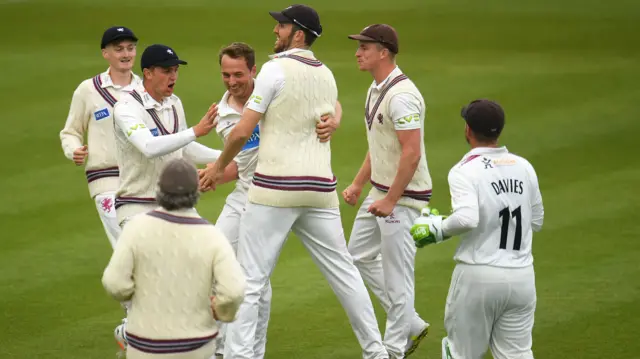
[{"x": 566, "y": 72}]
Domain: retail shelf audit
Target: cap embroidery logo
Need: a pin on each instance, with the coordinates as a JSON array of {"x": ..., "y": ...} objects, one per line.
[
  {"x": 106, "y": 204},
  {"x": 120, "y": 29},
  {"x": 169, "y": 51}
]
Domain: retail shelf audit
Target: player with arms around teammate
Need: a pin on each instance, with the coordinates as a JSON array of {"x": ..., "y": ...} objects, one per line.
[
  {"x": 151, "y": 129},
  {"x": 293, "y": 186},
  {"x": 497, "y": 206},
  {"x": 90, "y": 117},
  {"x": 396, "y": 166},
  {"x": 238, "y": 70},
  {"x": 169, "y": 261}
]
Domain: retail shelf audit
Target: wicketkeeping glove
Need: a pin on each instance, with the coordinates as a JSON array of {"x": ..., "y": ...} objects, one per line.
[{"x": 427, "y": 229}]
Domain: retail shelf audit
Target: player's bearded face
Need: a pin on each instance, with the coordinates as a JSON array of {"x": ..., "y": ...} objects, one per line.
[
  {"x": 284, "y": 37},
  {"x": 163, "y": 80},
  {"x": 237, "y": 76},
  {"x": 121, "y": 56}
]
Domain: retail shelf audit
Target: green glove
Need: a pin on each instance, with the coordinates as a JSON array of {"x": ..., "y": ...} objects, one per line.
[{"x": 427, "y": 229}]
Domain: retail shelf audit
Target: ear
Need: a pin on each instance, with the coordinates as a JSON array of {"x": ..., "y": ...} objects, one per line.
[
  {"x": 104, "y": 54},
  {"x": 253, "y": 71}
]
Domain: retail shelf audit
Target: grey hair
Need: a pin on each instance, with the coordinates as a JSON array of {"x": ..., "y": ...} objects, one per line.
[{"x": 171, "y": 202}]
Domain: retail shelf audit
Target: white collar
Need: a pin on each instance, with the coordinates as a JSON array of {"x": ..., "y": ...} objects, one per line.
[
  {"x": 479, "y": 151},
  {"x": 106, "y": 81},
  {"x": 291, "y": 51},
  {"x": 149, "y": 102}
]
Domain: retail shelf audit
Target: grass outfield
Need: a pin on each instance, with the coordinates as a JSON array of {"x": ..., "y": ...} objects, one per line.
[{"x": 566, "y": 72}]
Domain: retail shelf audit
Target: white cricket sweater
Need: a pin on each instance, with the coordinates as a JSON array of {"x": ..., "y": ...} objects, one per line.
[
  {"x": 91, "y": 117},
  {"x": 169, "y": 263},
  {"x": 138, "y": 174},
  {"x": 294, "y": 167}
]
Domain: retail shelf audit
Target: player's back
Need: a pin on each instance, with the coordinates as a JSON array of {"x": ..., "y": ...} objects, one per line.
[{"x": 509, "y": 208}]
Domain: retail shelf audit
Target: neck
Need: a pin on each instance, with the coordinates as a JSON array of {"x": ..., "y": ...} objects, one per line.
[
  {"x": 477, "y": 144},
  {"x": 153, "y": 94},
  {"x": 381, "y": 72},
  {"x": 120, "y": 77}
]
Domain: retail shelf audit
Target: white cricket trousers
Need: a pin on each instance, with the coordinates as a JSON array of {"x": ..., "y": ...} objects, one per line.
[
  {"x": 229, "y": 223},
  {"x": 105, "y": 204},
  {"x": 490, "y": 307},
  {"x": 385, "y": 252},
  {"x": 204, "y": 352},
  {"x": 262, "y": 236}
]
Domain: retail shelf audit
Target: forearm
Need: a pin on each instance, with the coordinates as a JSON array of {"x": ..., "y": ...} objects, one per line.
[
  {"x": 153, "y": 147},
  {"x": 230, "y": 173},
  {"x": 201, "y": 154},
  {"x": 406, "y": 169},
  {"x": 364, "y": 174}
]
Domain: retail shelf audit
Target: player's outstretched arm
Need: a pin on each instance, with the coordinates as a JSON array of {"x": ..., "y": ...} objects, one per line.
[
  {"x": 201, "y": 154},
  {"x": 129, "y": 121}
]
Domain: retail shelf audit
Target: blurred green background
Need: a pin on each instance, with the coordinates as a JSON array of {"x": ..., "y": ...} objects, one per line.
[{"x": 566, "y": 72}]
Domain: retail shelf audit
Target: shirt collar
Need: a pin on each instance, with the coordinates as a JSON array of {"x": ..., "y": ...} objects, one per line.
[
  {"x": 479, "y": 151},
  {"x": 291, "y": 51},
  {"x": 149, "y": 102},
  {"x": 105, "y": 78},
  {"x": 396, "y": 72}
]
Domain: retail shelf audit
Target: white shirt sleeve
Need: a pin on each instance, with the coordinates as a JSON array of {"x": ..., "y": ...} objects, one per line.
[
  {"x": 464, "y": 204},
  {"x": 537, "y": 208},
  {"x": 405, "y": 109},
  {"x": 200, "y": 154},
  {"x": 129, "y": 121},
  {"x": 268, "y": 85}
]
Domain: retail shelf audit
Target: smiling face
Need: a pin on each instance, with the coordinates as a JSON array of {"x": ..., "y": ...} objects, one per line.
[
  {"x": 237, "y": 76},
  {"x": 120, "y": 55},
  {"x": 161, "y": 80}
]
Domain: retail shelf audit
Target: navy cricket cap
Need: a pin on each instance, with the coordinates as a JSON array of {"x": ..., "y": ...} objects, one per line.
[
  {"x": 159, "y": 55},
  {"x": 301, "y": 15},
  {"x": 116, "y": 33},
  {"x": 485, "y": 117}
]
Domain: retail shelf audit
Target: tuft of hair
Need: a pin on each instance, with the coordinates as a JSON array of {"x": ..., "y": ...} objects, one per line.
[
  {"x": 172, "y": 202},
  {"x": 237, "y": 50}
]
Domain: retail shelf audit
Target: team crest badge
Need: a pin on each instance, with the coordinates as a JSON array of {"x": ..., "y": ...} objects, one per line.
[
  {"x": 106, "y": 204},
  {"x": 380, "y": 118}
]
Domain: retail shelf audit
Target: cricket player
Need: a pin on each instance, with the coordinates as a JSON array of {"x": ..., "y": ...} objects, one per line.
[
  {"x": 497, "y": 205},
  {"x": 396, "y": 166},
  {"x": 151, "y": 130},
  {"x": 169, "y": 261},
  {"x": 238, "y": 70},
  {"x": 91, "y": 118},
  {"x": 293, "y": 187}
]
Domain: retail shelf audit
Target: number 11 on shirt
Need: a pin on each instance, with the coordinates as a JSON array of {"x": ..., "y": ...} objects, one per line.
[{"x": 505, "y": 214}]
